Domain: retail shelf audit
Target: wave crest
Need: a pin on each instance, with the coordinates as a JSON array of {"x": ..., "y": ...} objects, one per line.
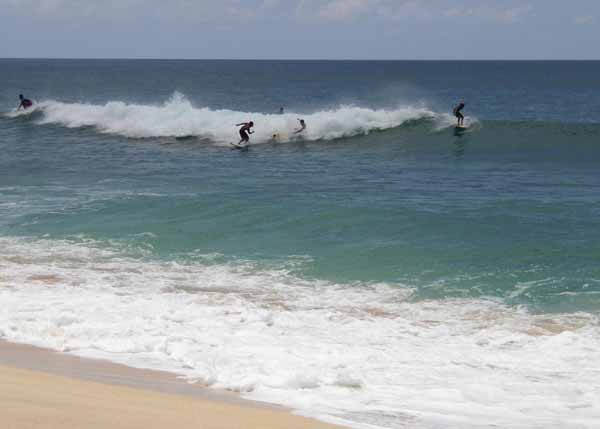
[{"x": 177, "y": 117}]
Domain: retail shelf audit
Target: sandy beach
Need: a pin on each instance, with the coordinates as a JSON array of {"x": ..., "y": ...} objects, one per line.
[{"x": 43, "y": 389}]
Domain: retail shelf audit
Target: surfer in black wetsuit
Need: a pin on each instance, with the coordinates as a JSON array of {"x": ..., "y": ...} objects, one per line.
[
  {"x": 457, "y": 112},
  {"x": 244, "y": 131},
  {"x": 24, "y": 103},
  {"x": 302, "y": 127}
]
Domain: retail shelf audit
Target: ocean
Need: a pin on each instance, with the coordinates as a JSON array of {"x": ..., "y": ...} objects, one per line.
[{"x": 379, "y": 269}]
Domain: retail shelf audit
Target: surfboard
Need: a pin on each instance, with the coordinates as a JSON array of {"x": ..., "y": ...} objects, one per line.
[{"x": 238, "y": 146}]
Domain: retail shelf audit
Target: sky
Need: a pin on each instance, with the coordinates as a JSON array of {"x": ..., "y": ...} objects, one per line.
[{"x": 301, "y": 29}]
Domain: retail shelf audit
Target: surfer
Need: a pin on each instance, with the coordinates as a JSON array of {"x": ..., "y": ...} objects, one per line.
[
  {"x": 302, "y": 127},
  {"x": 281, "y": 111},
  {"x": 24, "y": 103},
  {"x": 457, "y": 112},
  {"x": 244, "y": 131}
]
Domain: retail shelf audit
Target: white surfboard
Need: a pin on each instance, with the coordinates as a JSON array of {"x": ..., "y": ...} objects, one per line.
[{"x": 239, "y": 146}]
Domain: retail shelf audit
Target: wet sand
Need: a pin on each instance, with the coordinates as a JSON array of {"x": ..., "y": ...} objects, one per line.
[{"x": 43, "y": 389}]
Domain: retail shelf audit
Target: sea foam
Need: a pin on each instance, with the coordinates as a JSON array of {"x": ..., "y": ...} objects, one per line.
[
  {"x": 177, "y": 117},
  {"x": 364, "y": 354}
]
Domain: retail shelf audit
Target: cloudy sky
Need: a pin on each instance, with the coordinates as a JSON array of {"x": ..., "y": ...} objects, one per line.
[{"x": 301, "y": 29}]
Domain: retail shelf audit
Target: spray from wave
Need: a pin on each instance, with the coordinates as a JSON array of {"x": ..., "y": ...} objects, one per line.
[
  {"x": 12, "y": 114},
  {"x": 177, "y": 117}
]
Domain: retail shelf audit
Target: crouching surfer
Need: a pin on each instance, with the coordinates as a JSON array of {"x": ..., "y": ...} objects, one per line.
[
  {"x": 24, "y": 103},
  {"x": 459, "y": 116},
  {"x": 245, "y": 131}
]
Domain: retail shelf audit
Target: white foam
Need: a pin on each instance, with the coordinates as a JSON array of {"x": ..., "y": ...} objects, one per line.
[
  {"x": 22, "y": 112},
  {"x": 177, "y": 117},
  {"x": 361, "y": 353}
]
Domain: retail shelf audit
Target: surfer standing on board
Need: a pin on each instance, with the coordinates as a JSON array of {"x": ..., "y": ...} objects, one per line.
[
  {"x": 24, "y": 103},
  {"x": 244, "y": 131},
  {"x": 457, "y": 112}
]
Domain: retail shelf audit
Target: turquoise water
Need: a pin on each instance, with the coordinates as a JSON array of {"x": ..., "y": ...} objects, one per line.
[
  {"x": 512, "y": 201},
  {"x": 132, "y": 157}
]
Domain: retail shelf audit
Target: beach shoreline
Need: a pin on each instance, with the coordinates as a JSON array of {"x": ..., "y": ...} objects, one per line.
[{"x": 46, "y": 389}]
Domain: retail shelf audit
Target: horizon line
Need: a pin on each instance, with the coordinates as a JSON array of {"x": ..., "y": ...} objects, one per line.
[{"x": 305, "y": 59}]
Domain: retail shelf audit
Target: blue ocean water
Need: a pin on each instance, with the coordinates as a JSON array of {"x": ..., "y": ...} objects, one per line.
[{"x": 122, "y": 179}]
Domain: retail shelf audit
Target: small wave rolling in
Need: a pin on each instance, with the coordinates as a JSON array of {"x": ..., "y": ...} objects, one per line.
[
  {"x": 381, "y": 270},
  {"x": 332, "y": 350}
]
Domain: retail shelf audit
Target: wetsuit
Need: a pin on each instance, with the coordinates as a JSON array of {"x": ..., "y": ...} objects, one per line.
[
  {"x": 457, "y": 110},
  {"x": 243, "y": 134},
  {"x": 245, "y": 131},
  {"x": 26, "y": 104},
  {"x": 302, "y": 127}
]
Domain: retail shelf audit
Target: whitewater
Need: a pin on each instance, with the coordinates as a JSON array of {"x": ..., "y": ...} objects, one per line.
[
  {"x": 178, "y": 117},
  {"x": 361, "y": 354}
]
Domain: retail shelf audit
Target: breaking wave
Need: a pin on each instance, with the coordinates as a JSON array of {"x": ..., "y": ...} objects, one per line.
[
  {"x": 367, "y": 354},
  {"x": 178, "y": 117}
]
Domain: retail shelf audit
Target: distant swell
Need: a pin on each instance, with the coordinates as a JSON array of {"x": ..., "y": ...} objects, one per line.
[{"x": 177, "y": 117}]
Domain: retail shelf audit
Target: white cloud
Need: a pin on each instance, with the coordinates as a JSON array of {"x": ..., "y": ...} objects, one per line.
[
  {"x": 502, "y": 11},
  {"x": 396, "y": 10},
  {"x": 75, "y": 6},
  {"x": 503, "y": 14},
  {"x": 460, "y": 12},
  {"x": 505, "y": 11},
  {"x": 513, "y": 14},
  {"x": 343, "y": 10},
  {"x": 198, "y": 10}
]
